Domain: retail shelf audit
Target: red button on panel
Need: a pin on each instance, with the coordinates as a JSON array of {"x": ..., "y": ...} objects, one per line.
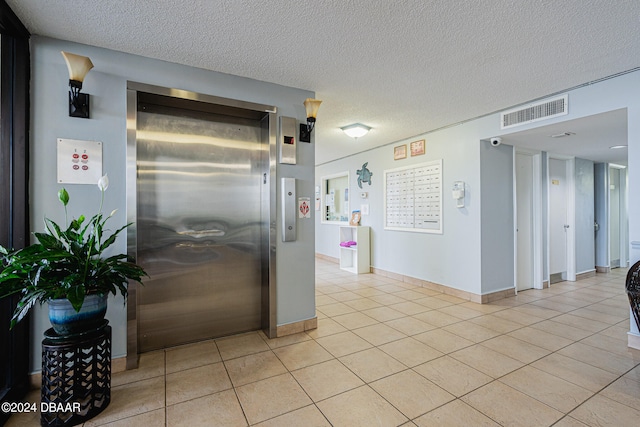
[
  {"x": 85, "y": 157},
  {"x": 76, "y": 155}
]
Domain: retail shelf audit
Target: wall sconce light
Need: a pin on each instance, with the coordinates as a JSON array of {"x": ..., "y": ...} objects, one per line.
[
  {"x": 356, "y": 130},
  {"x": 78, "y": 67},
  {"x": 311, "y": 105}
]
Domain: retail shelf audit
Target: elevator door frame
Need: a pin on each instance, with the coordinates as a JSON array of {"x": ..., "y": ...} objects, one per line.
[{"x": 268, "y": 206}]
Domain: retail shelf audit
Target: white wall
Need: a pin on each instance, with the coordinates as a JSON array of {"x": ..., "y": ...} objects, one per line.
[
  {"x": 107, "y": 85},
  {"x": 455, "y": 258}
]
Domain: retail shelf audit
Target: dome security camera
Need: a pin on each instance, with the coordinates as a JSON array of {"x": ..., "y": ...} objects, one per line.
[{"x": 496, "y": 141}]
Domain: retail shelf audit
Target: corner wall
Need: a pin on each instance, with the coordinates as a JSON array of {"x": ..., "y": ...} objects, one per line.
[{"x": 107, "y": 84}]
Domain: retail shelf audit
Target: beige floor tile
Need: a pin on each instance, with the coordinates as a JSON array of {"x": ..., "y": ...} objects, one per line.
[
  {"x": 532, "y": 310},
  {"x": 383, "y": 314},
  {"x": 633, "y": 374},
  {"x": 549, "y": 389},
  {"x": 326, "y": 379},
  {"x": 241, "y": 345},
  {"x": 574, "y": 371},
  {"x": 387, "y": 299},
  {"x": 460, "y": 312},
  {"x": 515, "y": 348},
  {"x": 599, "y": 358},
  {"x": 191, "y": 356},
  {"x": 254, "y": 367},
  {"x": 325, "y": 328},
  {"x": 369, "y": 292},
  {"x": 152, "y": 418},
  {"x": 553, "y": 305},
  {"x": 599, "y": 316},
  {"x": 410, "y": 294},
  {"x": 601, "y": 411},
  {"x": 614, "y": 345},
  {"x": 450, "y": 298},
  {"x": 625, "y": 391},
  {"x": 562, "y": 330},
  {"x": 486, "y": 360},
  {"x": 443, "y": 341},
  {"x": 309, "y": 416},
  {"x": 132, "y": 399},
  {"x": 196, "y": 382},
  {"x": 437, "y": 318},
  {"x": 411, "y": 393},
  {"x": 302, "y": 354},
  {"x": 150, "y": 365},
  {"x": 285, "y": 340},
  {"x": 589, "y": 325},
  {"x": 452, "y": 375},
  {"x": 409, "y": 325},
  {"x": 510, "y": 407},
  {"x": 410, "y": 352},
  {"x": 372, "y": 364},
  {"x": 361, "y": 407},
  {"x": 354, "y": 320},
  {"x": 455, "y": 414},
  {"x": 343, "y": 343},
  {"x": 324, "y": 300},
  {"x": 392, "y": 287},
  {"x": 471, "y": 331},
  {"x": 409, "y": 308},
  {"x": 221, "y": 409},
  {"x": 270, "y": 398},
  {"x": 379, "y": 334},
  {"x": 336, "y": 309},
  {"x": 433, "y": 303},
  {"x": 519, "y": 317},
  {"x": 569, "y": 422},
  {"x": 345, "y": 296},
  {"x": 496, "y": 323},
  {"x": 541, "y": 338},
  {"x": 482, "y": 308},
  {"x": 361, "y": 304}
]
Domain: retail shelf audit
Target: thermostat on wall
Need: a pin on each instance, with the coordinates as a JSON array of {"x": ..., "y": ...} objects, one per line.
[{"x": 79, "y": 162}]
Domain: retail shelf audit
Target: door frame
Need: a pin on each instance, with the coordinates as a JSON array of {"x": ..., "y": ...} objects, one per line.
[
  {"x": 536, "y": 218},
  {"x": 622, "y": 217},
  {"x": 571, "y": 216},
  {"x": 268, "y": 204}
]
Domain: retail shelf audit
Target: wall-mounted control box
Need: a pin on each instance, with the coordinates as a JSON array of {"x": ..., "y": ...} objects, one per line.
[{"x": 287, "y": 141}]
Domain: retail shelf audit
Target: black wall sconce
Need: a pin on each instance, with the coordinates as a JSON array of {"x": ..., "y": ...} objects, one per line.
[
  {"x": 78, "y": 67},
  {"x": 311, "y": 105}
]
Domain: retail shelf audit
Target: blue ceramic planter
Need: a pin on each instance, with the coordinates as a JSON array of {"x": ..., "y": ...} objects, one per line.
[{"x": 66, "y": 321}]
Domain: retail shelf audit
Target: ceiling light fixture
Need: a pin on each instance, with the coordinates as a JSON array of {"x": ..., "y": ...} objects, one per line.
[
  {"x": 615, "y": 147},
  {"x": 311, "y": 106},
  {"x": 78, "y": 67},
  {"x": 356, "y": 130}
]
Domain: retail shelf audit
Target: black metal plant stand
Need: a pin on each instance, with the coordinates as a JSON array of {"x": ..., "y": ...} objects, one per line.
[
  {"x": 633, "y": 291},
  {"x": 76, "y": 376}
]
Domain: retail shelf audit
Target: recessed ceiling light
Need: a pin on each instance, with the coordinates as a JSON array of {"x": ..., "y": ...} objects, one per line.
[
  {"x": 562, "y": 135},
  {"x": 356, "y": 130},
  {"x": 615, "y": 147}
]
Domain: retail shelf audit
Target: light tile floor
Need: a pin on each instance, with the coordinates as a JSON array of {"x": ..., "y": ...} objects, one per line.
[{"x": 388, "y": 353}]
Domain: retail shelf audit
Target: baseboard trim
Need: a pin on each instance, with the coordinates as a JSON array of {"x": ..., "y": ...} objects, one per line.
[
  {"x": 545, "y": 284},
  {"x": 328, "y": 258},
  {"x": 633, "y": 340},
  {"x": 118, "y": 364},
  {"x": 296, "y": 327},
  {"x": 603, "y": 269},
  {"x": 586, "y": 274}
]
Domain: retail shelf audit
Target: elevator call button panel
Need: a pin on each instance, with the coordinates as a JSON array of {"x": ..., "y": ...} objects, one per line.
[
  {"x": 287, "y": 141},
  {"x": 79, "y": 162}
]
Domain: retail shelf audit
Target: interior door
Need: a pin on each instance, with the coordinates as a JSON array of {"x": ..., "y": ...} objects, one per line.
[
  {"x": 558, "y": 223},
  {"x": 199, "y": 224},
  {"x": 524, "y": 227}
]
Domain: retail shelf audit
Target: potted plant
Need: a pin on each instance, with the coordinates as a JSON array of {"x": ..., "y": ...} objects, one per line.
[{"x": 67, "y": 269}]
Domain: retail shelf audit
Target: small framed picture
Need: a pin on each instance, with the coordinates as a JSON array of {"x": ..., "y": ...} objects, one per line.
[
  {"x": 400, "y": 152},
  {"x": 417, "y": 148}
]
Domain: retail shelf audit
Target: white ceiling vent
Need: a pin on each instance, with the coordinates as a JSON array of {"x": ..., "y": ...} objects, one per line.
[{"x": 533, "y": 112}]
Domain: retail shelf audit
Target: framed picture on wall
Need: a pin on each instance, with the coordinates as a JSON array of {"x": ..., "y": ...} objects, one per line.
[
  {"x": 417, "y": 148},
  {"x": 400, "y": 152}
]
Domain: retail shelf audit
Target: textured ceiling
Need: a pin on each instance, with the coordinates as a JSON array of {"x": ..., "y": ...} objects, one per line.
[{"x": 401, "y": 67}]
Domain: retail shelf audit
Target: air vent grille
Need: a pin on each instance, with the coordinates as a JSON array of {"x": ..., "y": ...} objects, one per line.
[{"x": 532, "y": 113}]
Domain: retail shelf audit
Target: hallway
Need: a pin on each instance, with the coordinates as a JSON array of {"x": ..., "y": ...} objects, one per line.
[{"x": 389, "y": 353}]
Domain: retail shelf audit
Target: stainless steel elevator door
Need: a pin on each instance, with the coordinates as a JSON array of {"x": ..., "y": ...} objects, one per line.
[{"x": 199, "y": 225}]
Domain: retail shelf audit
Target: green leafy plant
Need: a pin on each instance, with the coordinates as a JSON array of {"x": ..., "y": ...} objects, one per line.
[{"x": 67, "y": 263}]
